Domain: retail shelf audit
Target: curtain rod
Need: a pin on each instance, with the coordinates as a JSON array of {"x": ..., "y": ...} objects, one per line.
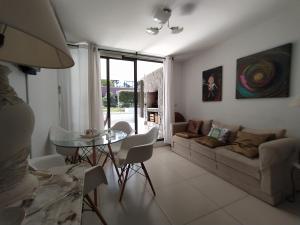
[{"x": 121, "y": 52}]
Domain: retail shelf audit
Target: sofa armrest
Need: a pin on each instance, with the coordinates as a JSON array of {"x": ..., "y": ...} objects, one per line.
[
  {"x": 277, "y": 151},
  {"x": 179, "y": 127},
  {"x": 276, "y": 158}
]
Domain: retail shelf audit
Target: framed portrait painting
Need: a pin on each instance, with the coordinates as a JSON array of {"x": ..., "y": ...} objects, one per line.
[{"x": 212, "y": 84}]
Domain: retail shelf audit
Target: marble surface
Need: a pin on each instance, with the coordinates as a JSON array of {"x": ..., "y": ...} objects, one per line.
[{"x": 58, "y": 198}]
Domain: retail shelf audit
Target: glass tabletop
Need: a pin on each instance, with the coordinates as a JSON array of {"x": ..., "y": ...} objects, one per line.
[{"x": 74, "y": 139}]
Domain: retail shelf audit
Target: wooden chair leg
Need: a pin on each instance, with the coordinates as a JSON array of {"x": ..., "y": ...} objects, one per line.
[
  {"x": 105, "y": 160},
  {"x": 148, "y": 178},
  {"x": 124, "y": 183},
  {"x": 95, "y": 209}
]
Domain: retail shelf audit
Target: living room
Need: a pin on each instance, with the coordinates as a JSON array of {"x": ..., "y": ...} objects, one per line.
[{"x": 150, "y": 112}]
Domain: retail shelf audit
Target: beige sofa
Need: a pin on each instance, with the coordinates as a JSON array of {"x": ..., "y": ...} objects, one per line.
[{"x": 266, "y": 177}]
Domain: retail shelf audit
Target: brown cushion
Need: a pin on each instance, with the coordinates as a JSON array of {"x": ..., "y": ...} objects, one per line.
[
  {"x": 279, "y": 133},
  {"x": 233, "y": 130},
  {"x": 206, "y": 126},
  {"x": 247, "y": 143},
  {"x": 194, "y": 126},
  {"x": 209, "y": 142},
  {"x": 187, "y": 135}
]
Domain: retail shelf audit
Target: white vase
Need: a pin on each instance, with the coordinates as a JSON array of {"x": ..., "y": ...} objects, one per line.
[{"x": 16, "y": 127}]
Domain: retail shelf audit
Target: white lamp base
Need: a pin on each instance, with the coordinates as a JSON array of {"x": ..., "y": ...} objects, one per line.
[{"x": 24, "y": 189}]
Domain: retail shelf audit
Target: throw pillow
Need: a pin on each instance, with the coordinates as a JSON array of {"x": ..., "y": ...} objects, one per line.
[
  {"x": 187, "y": 135},
  {"x": 247, "y": 143},
  {"x": 233, "y": 130},
  {"x": 221, "y": 134},
  {"x": 209, "y": 142},
  {"x": 206, "y": 126},
  {"x": 194, "y": 126}
]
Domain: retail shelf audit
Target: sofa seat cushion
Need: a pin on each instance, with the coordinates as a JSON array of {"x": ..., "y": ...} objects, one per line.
[
  {"x": 239, "y": 162},
  {"x": 204, "y": 150},
  {"x": 185, "y": 142},
  {"x": 187, "y": 135}
]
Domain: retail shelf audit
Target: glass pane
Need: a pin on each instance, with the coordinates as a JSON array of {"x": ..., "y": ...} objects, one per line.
[
  {"x": 122, "y": 91},
  {"x": 150, "y": 96},
  {"x": 104, "y": 90}
]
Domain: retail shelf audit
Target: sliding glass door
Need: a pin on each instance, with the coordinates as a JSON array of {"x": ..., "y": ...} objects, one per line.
[{"x": 132, "y": 91}]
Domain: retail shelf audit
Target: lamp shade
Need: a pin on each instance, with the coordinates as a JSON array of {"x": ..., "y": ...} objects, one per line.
[{"x": 32, "y": 35}]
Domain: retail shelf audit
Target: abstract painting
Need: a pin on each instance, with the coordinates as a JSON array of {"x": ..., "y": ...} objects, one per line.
[
  {"x": 212, "y": 85},
  {"x": 265, "y": 74}
]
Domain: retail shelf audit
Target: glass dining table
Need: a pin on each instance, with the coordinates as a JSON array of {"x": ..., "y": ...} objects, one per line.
[{"x": 88, "y": 147}]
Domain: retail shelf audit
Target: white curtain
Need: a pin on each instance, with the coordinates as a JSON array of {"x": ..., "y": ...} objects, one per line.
[
  {"x": 80, "y": 102},
  {"x": 168, "y": 99},
  {"x": 95, "y": 95}
]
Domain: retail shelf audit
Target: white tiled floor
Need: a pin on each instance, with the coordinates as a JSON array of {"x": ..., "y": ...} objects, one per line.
[{"x": 186, "y": 194}]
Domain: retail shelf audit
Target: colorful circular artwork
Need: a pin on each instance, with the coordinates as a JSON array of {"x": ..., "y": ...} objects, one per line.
[{"x": 265, "y": 74}]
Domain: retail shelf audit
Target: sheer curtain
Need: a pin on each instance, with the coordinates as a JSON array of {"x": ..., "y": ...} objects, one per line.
[
  {"x": 168, "y": 100},
  {"x": 80, "y": 101}
]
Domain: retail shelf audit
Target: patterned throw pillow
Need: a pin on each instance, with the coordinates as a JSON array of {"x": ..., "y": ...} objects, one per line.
[
  {"x": 221, "y": 134},
  {"x": 194, "y": 126}
]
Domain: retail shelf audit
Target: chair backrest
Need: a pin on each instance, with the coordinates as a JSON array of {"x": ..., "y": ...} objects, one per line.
[
  {"x": 152, "y": 135},
  {"x": 143, "y": 149},
  {"x": 94, "y": 176},
  {"x": 123, "y": 126},
  {"x": 59, "y": 133},
  {"x": 46, "y": 162}
]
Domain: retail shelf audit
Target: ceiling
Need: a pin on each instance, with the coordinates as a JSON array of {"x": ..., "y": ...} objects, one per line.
[{"x": 121, "y": 24}]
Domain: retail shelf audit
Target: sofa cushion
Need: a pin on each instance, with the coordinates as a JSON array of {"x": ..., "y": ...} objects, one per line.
[
  {"x": 194, "y": 126},
  {"x": 221, "y": 134},
  {"x": 187, "y": 135},
  {"x": 279, "y": 133},
  {"x": 239, "y": 162},
  {"x": 209, "y": 141},
  {"x": 182, "y": 141},
  {"x": 247, "y": 143},
  {"x": 206, "y": 126},
  {"x": 233, "y": 130},
  {"x": 202, "y": 149}
]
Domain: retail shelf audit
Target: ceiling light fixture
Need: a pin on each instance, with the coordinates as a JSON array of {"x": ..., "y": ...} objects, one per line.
[{"x": 162, "y": 16}]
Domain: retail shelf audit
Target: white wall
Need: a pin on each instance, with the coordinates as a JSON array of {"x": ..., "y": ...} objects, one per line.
[
  {"x": 43, "y": 99},
  {"x": 256, "y": 113}
]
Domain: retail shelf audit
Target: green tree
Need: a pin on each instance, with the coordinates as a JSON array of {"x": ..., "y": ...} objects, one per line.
[
  {"x": 113, "y": 100},
  {"x": 126, "y": 98}
]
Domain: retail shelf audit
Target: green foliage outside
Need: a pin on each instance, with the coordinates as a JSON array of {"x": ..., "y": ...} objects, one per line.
[
  {"x": 113, "y": 100},
  {"x": 126, "y": 99}
]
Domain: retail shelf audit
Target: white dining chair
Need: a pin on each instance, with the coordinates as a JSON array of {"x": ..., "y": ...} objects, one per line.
[
  {"x": 115, "y": 147},
  {"x": 94, "y": 177},
  {"x": 136, "y": 150},
  {"x": 46, "y": 162},
  {"x": 60, "y": 133}
]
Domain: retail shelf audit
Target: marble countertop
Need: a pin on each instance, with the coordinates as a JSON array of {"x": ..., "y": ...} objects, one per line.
[{"x": 58, "y": 198}]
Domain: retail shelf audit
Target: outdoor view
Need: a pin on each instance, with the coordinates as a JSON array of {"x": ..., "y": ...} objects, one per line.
[{"x": 121, "y": 73}]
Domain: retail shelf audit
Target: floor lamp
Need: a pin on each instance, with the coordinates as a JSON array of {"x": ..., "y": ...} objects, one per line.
[{"x": 29, "y": 35}]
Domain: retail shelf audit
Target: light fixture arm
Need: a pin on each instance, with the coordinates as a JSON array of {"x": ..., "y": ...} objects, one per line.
[{"x": 2, "y": 34}]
